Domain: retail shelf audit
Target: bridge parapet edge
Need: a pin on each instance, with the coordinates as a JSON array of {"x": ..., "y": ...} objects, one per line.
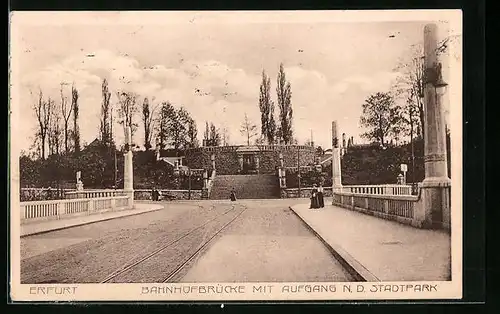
[{"x": 33, "y": 211}]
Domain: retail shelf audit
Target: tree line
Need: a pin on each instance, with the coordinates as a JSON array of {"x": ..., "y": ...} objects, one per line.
[{"x": 58, "y": 125}]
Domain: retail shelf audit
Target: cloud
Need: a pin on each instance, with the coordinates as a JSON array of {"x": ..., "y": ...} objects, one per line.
[{"x": 209, "y": 89}]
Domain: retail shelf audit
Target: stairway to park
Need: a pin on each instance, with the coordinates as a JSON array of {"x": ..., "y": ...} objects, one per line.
[{"x": 257, "y": 186}]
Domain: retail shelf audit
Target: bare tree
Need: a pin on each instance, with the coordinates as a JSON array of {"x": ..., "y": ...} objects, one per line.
[
  {"x": 76, "y": 111},
  {"x": 410, "y": 84},
  {"x": 42, "y": 111},
  {"x": 214, "y": 137},
  {"x": 66, "y": 114},
  {"x": 225, "y": 136},
  {"x": 55, "y": 131},
  {"x": 127, "y": 110},
  {"x": 248, "y": 129},
  {"x": 206, "y": 134}
]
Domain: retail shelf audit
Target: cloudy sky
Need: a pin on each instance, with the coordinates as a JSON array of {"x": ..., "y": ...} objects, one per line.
[{"x": 332, "y": 68}]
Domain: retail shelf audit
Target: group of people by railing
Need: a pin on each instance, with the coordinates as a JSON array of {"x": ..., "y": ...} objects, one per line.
[
  {"x": 317, "y": 197},
  {"x": 156, "y": 195}
]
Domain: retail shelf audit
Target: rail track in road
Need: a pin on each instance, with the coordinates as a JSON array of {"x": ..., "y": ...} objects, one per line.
[
  {"x": 205, "y": 244},
  {"x": 174, "y": 245}
]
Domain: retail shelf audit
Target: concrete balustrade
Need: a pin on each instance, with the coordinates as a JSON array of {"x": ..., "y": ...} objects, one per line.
[
  {"x": 59, "y": 209},
  {"x": 407, "y": 209},
  {"x": 384, "y": 189},
  {"x": 94, "y": 194}
]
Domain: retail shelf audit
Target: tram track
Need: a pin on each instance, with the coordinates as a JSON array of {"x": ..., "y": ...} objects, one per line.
[
  {"x": 172, "y": 274},
  {"x": 127, "y": 270}
]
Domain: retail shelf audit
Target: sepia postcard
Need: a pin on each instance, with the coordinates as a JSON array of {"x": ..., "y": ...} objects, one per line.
[{"x": 236, "y": 156}]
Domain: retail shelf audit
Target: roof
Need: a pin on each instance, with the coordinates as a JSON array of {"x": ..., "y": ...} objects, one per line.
[{"x": 325, "y": 158}]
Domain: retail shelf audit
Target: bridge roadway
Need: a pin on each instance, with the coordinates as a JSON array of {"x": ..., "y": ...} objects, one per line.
[{"x": 209, "y": 241}]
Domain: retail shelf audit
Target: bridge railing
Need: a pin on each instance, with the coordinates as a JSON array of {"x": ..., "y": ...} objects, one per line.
[
  {"x": 94, "y": 194},
  {"x": 402, "y": 208},
  {"x": 58, "y": 209},
  {"x": 383, "y": 189}
]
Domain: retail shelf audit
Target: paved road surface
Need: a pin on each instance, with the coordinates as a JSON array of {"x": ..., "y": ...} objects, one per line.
[{"x": 266, "y": 242}]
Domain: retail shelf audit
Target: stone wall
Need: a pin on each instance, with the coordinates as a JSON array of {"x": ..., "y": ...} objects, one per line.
[
  {"x": 168, "y": 195},
  {"x": 304, "y": 192},
  {"x": 226, "y": 157}
]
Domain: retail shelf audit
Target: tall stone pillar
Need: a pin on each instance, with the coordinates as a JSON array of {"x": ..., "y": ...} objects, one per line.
[
  {"x": 204, "y": 190},
  {"x": 435, "y": 187},
  {"x": 128, "y": 171},
  {"x": 336, "y": 174},
  {"x": 257, "y": 163},
  {"x": 212, "y": 158},
  {"x": 343, "y": 145}
]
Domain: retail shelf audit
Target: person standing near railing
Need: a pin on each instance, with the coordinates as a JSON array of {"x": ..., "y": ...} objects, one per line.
[
  {"x": 153, "y": 194},
  {"x": 321, "y": 200}
]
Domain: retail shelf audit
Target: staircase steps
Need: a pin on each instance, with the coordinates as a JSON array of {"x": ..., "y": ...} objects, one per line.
[{"x": 246, "y": 186}]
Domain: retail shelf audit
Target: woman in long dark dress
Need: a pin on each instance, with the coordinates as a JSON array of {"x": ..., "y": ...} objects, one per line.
[
  {"x": 321, "y": 200},
  {"x": 233, "y": 195},
  {"x": 314, "y": 197}
]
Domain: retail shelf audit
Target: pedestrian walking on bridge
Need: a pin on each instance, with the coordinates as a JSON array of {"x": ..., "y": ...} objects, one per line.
[{"x": 233, "y": 195}]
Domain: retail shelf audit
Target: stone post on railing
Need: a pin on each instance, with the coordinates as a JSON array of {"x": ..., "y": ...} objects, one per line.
[
  {"x": 212, "y": 158},
  {"x": 90, "y": 206},
  {"x": 435, "y": 187},
  {"x": 282, "y": 172},
  {"x": 282, "y": 176},
  {"x": 60, "y": 209},
  {"x": 336, "y": 174},
  {"x": 79, "y": 183},
  {"x": 177, "y": 173},
  {"x": 240, "y": 161},
  {"x": 128, "y": 171}
]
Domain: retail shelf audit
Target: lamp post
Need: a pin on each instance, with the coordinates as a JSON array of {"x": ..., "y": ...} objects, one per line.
[
  {"x": 298, "y": 169},
  {"x": 189, "y": 182},
  {"x": 116, "y": 168}
]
